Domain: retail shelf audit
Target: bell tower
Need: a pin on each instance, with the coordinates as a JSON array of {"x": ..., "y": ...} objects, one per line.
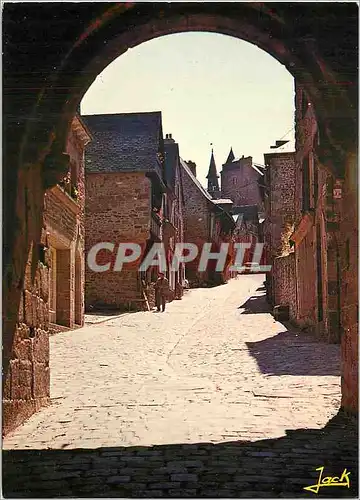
[{"x": 212, "y": 177}]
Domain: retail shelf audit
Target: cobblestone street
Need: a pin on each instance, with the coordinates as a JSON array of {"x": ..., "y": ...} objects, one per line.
[{"x": 211, "y": 398}]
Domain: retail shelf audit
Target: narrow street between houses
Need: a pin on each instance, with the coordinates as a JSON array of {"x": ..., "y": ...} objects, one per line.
[{"x": 211, "y": 398}]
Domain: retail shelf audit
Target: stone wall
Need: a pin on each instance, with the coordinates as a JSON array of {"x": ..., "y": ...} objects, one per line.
[
  {"x": 280, "y": 205},
  {"x": 306, "y": 287},
  {"x": 280, "y": 216},
  {"x": 26, "y": 386},
  {"x": 118, "y": 209}
]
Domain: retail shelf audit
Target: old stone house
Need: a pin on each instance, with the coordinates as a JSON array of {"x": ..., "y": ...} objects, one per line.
[
  {"x": 124, "y": 199},
  {"x": 133, "y": 197},
  {"x": 64, "y": 207},
  {"x": 204, "y": 222}
]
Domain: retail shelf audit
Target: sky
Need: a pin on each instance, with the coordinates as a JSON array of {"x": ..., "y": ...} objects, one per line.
[{"x": 211, "y": 89}]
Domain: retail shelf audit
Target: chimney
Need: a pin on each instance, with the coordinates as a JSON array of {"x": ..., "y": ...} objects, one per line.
[
  {"x": 169, "y": 139},
  {"x": 192, "y": 167}
]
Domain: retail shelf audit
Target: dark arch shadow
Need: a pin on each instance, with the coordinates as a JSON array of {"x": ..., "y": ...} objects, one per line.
[{"x": 272, "y": 468}]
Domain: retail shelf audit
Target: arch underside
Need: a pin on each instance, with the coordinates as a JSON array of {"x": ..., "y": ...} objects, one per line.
[{"x": 112, "y": 29}]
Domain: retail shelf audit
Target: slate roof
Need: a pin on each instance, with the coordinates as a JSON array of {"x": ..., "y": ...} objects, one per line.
[
  {"x": 124, "y": 142},
  {"x": 226, "y": 216},
  {"x": 195, "y": 180}
]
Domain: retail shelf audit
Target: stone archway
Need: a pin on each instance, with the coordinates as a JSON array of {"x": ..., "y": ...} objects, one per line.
[{"x": 47, "y": 74}]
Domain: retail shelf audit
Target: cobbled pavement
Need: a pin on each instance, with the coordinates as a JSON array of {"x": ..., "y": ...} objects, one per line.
[{"x": 211, "y": 398}]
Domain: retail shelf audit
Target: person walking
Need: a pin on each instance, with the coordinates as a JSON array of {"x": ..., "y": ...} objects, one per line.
[{"x": 161, "y": 291}]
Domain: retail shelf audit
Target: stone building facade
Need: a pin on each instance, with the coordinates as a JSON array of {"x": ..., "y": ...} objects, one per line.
[
  {"x": 302, "y": 230},
  {"x": 242, "y": 195},
  {"x": 204, "y": 222},
  {"x": 64, "y": 221},
  {"x": 124, "y": 204},
  {"x": 315, "y": 237},
  {"x": 134, "y": 195},
  {"x": 280, "y": 219},
  {"x": 53, "y": 294}
]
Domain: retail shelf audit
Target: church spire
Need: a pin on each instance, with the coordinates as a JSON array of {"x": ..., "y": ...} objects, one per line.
[
  {"x": 212, "y": 177},
  {"x": 231, "y": 157}
]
